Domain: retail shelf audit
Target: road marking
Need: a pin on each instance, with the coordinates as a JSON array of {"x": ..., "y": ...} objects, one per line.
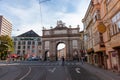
[
  {"x": 77, "y": 70},
  {"x": 52, "y": 70},
  {"x": 26, "y": 74}
]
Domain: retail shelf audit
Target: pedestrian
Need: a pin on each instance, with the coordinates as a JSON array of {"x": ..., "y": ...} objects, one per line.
[
  {"x": 82, "y": 60},
  {"x": 63, "y": 61}
]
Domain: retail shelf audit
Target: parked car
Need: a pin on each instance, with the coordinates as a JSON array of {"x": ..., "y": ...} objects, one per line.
[{"x": 33, "y": 59}]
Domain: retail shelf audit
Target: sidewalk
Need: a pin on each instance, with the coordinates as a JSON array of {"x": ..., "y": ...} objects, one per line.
[
  {"x": 102, "y": 73},
  {"x": 4, "y": 63}
]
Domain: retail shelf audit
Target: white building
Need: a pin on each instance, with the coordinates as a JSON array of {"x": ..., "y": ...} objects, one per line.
[{"x": 28, "y": 44}]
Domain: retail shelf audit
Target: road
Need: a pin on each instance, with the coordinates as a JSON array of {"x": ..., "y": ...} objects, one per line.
[{"x": 45, "y": 71}]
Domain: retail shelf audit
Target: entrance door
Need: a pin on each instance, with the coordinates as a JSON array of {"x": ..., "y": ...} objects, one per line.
[
  {"x": 114, "y": 60},
  {"x": 101, "y": 59}
]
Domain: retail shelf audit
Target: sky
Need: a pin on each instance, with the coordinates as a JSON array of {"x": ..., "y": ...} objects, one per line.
[{"x": 25, "y": 15}]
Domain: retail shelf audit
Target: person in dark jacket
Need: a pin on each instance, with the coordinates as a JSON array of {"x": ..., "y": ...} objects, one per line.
[{"x": 63, "y": 61}]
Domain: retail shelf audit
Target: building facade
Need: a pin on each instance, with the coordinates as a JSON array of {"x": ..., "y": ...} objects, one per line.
[
  {"x": 88, "y": 33},
  {"x": 5, "y": 26},
  {"x": 104, "y": 25},
  {"x": 111, "y": 18},
  {"x": 28, "y": 45},
  {"x": 61, "y": 34}
]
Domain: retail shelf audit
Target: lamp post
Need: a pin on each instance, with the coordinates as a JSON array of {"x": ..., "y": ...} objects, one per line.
[{"x": 41, "y": 9}]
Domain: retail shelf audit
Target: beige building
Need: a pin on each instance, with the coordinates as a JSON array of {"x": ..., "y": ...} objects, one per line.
[
  {"x": 102, "y": 20},
  {"x": 111, "y": 18},
  {"x": 89, "y": 41},
  {"x": 5, "y": 26}
]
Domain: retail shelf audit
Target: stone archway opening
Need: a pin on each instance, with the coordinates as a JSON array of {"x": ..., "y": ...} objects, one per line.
[
  {"x": 61, "y": 51},
  {"x": 47, "y": 56},
  {"x": 61, "y": 34}
]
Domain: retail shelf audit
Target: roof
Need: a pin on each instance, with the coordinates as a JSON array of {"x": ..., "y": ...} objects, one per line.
[{"x": 30, "y": 33}]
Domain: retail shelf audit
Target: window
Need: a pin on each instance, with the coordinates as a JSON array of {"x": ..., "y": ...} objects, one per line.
[
  {"x": 15, "y": 39},
  {"x": 18, "y": 52},
  {"x": 96, "y": 38},
  {"x": 74, "y": 43},
  {"x": 111, "y": 30},
  {"x": 101, "y": 37},
  {"x": 14, "y": 43},
  {"x": 19, "y": 47},
  {"x": 23, "y": 43},
  {"x": 85, "y": 37},
  {"x": 23, "y": 47},
  {"x": 108, "y": 1},
  {"x": 33, "y": 43},
  {"x": 19, "y": 43},
  {"x": 29, "y": 42},
  {"x": 96, "y": 16},
  {"x": 28, "y": 47},
  {"x": 118, "y": 25},
  {"x": 23, "y": 51},
  {"x": 39, "y": 43},
  {"x": 115, "y": 28}
]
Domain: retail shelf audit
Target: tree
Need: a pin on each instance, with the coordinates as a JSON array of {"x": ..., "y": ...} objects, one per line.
[{"x": 6, "y": 45}]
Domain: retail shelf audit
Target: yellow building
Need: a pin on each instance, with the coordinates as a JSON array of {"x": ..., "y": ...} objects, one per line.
[
  {"x": 102, "y": 30},
  {"x": 110, "y": 14}
]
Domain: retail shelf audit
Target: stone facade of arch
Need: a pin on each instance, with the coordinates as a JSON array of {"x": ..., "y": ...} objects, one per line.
[{"x": 60, "y": 34}]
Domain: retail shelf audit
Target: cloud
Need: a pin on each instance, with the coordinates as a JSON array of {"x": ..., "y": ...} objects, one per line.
[{"x": 26, "y": 18}]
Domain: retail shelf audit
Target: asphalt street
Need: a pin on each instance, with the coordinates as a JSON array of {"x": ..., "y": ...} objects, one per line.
[{"x": 45, "y": 71}]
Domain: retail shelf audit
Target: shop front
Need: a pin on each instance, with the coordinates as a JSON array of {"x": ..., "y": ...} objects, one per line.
[
  {"x": 116, "y": 58},
  {"x": 115, "y": 44},
  {"x": 100, "y": 57},
  {"x": 90, "y": 53}
]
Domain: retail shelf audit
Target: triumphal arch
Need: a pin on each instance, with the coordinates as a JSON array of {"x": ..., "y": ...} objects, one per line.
[{"x": 61, "y": 34}]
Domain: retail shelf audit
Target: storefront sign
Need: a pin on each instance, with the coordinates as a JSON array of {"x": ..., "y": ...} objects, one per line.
[{"x": 101, "y": 27}]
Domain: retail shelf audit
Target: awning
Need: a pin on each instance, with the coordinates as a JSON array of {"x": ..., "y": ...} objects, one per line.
[
  {"x": 14, "y": 55},
  {"x": 90, "y": 50}
]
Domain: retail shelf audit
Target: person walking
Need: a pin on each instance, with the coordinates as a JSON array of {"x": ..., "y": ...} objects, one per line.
[
  {"x": 63, "y": 61},
  {"x": 82, "y": 60}
]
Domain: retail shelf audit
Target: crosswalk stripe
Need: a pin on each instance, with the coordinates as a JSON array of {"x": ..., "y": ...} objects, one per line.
[{"x": 58, "y": 63}]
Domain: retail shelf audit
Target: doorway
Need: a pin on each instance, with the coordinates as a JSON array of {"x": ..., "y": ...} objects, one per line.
[{"x": 47, "y": 56}]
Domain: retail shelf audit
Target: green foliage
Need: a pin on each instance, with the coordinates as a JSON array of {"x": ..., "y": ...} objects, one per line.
[{"x": 6, "y": 44}]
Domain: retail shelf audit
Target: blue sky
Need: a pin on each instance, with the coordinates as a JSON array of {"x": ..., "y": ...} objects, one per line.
[{"x": 25, "y": 14}]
